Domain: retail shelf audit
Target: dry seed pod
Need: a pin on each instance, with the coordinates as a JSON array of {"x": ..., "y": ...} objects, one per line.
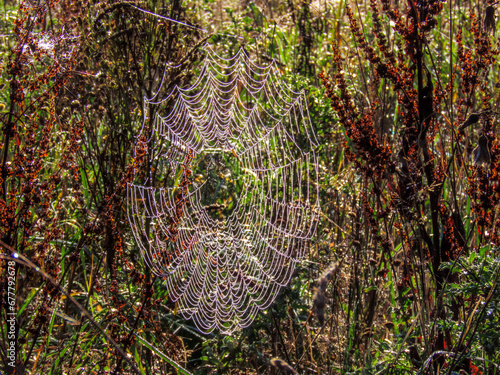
[
  {"x": 331, "y": 271},
  {"x": 319, "y": 305},
  {"x": 319, "y": 294},
  {"x": 490, "y": 23},
  {"x": 389, "y": 325},
  {"x": 472, "y": 119},
  {"x": 481, "y": 153},
  {"x": 282, "y": 365}
]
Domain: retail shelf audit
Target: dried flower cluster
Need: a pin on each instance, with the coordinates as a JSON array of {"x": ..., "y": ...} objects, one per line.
[
  {"x": 65, "y": 160},
  {"x": 410, "y": 167}
]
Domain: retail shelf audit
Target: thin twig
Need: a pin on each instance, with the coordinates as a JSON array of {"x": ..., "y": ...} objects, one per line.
[{"x": 165, "y": 18}]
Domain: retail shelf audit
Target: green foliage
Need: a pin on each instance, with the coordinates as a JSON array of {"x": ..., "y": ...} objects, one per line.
[{"x": 477, "y": 296}]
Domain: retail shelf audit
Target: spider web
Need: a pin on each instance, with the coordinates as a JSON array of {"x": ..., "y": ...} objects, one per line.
[{"x": 235, "y": 201}]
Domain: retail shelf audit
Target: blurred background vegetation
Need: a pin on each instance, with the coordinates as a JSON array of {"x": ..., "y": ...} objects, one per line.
[{"x": 402, "y": 274}]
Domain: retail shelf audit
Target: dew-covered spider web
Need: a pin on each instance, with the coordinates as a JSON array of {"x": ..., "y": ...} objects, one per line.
[{"x": 231, "y": 201}]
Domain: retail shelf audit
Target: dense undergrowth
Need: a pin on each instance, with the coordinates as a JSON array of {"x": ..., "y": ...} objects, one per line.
[{"x": 402, "y": 274}]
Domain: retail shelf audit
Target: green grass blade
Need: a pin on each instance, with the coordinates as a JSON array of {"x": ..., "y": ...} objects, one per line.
[
  {"x": 171, "y": 362},
  {"x": 31, "y": 295}
]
